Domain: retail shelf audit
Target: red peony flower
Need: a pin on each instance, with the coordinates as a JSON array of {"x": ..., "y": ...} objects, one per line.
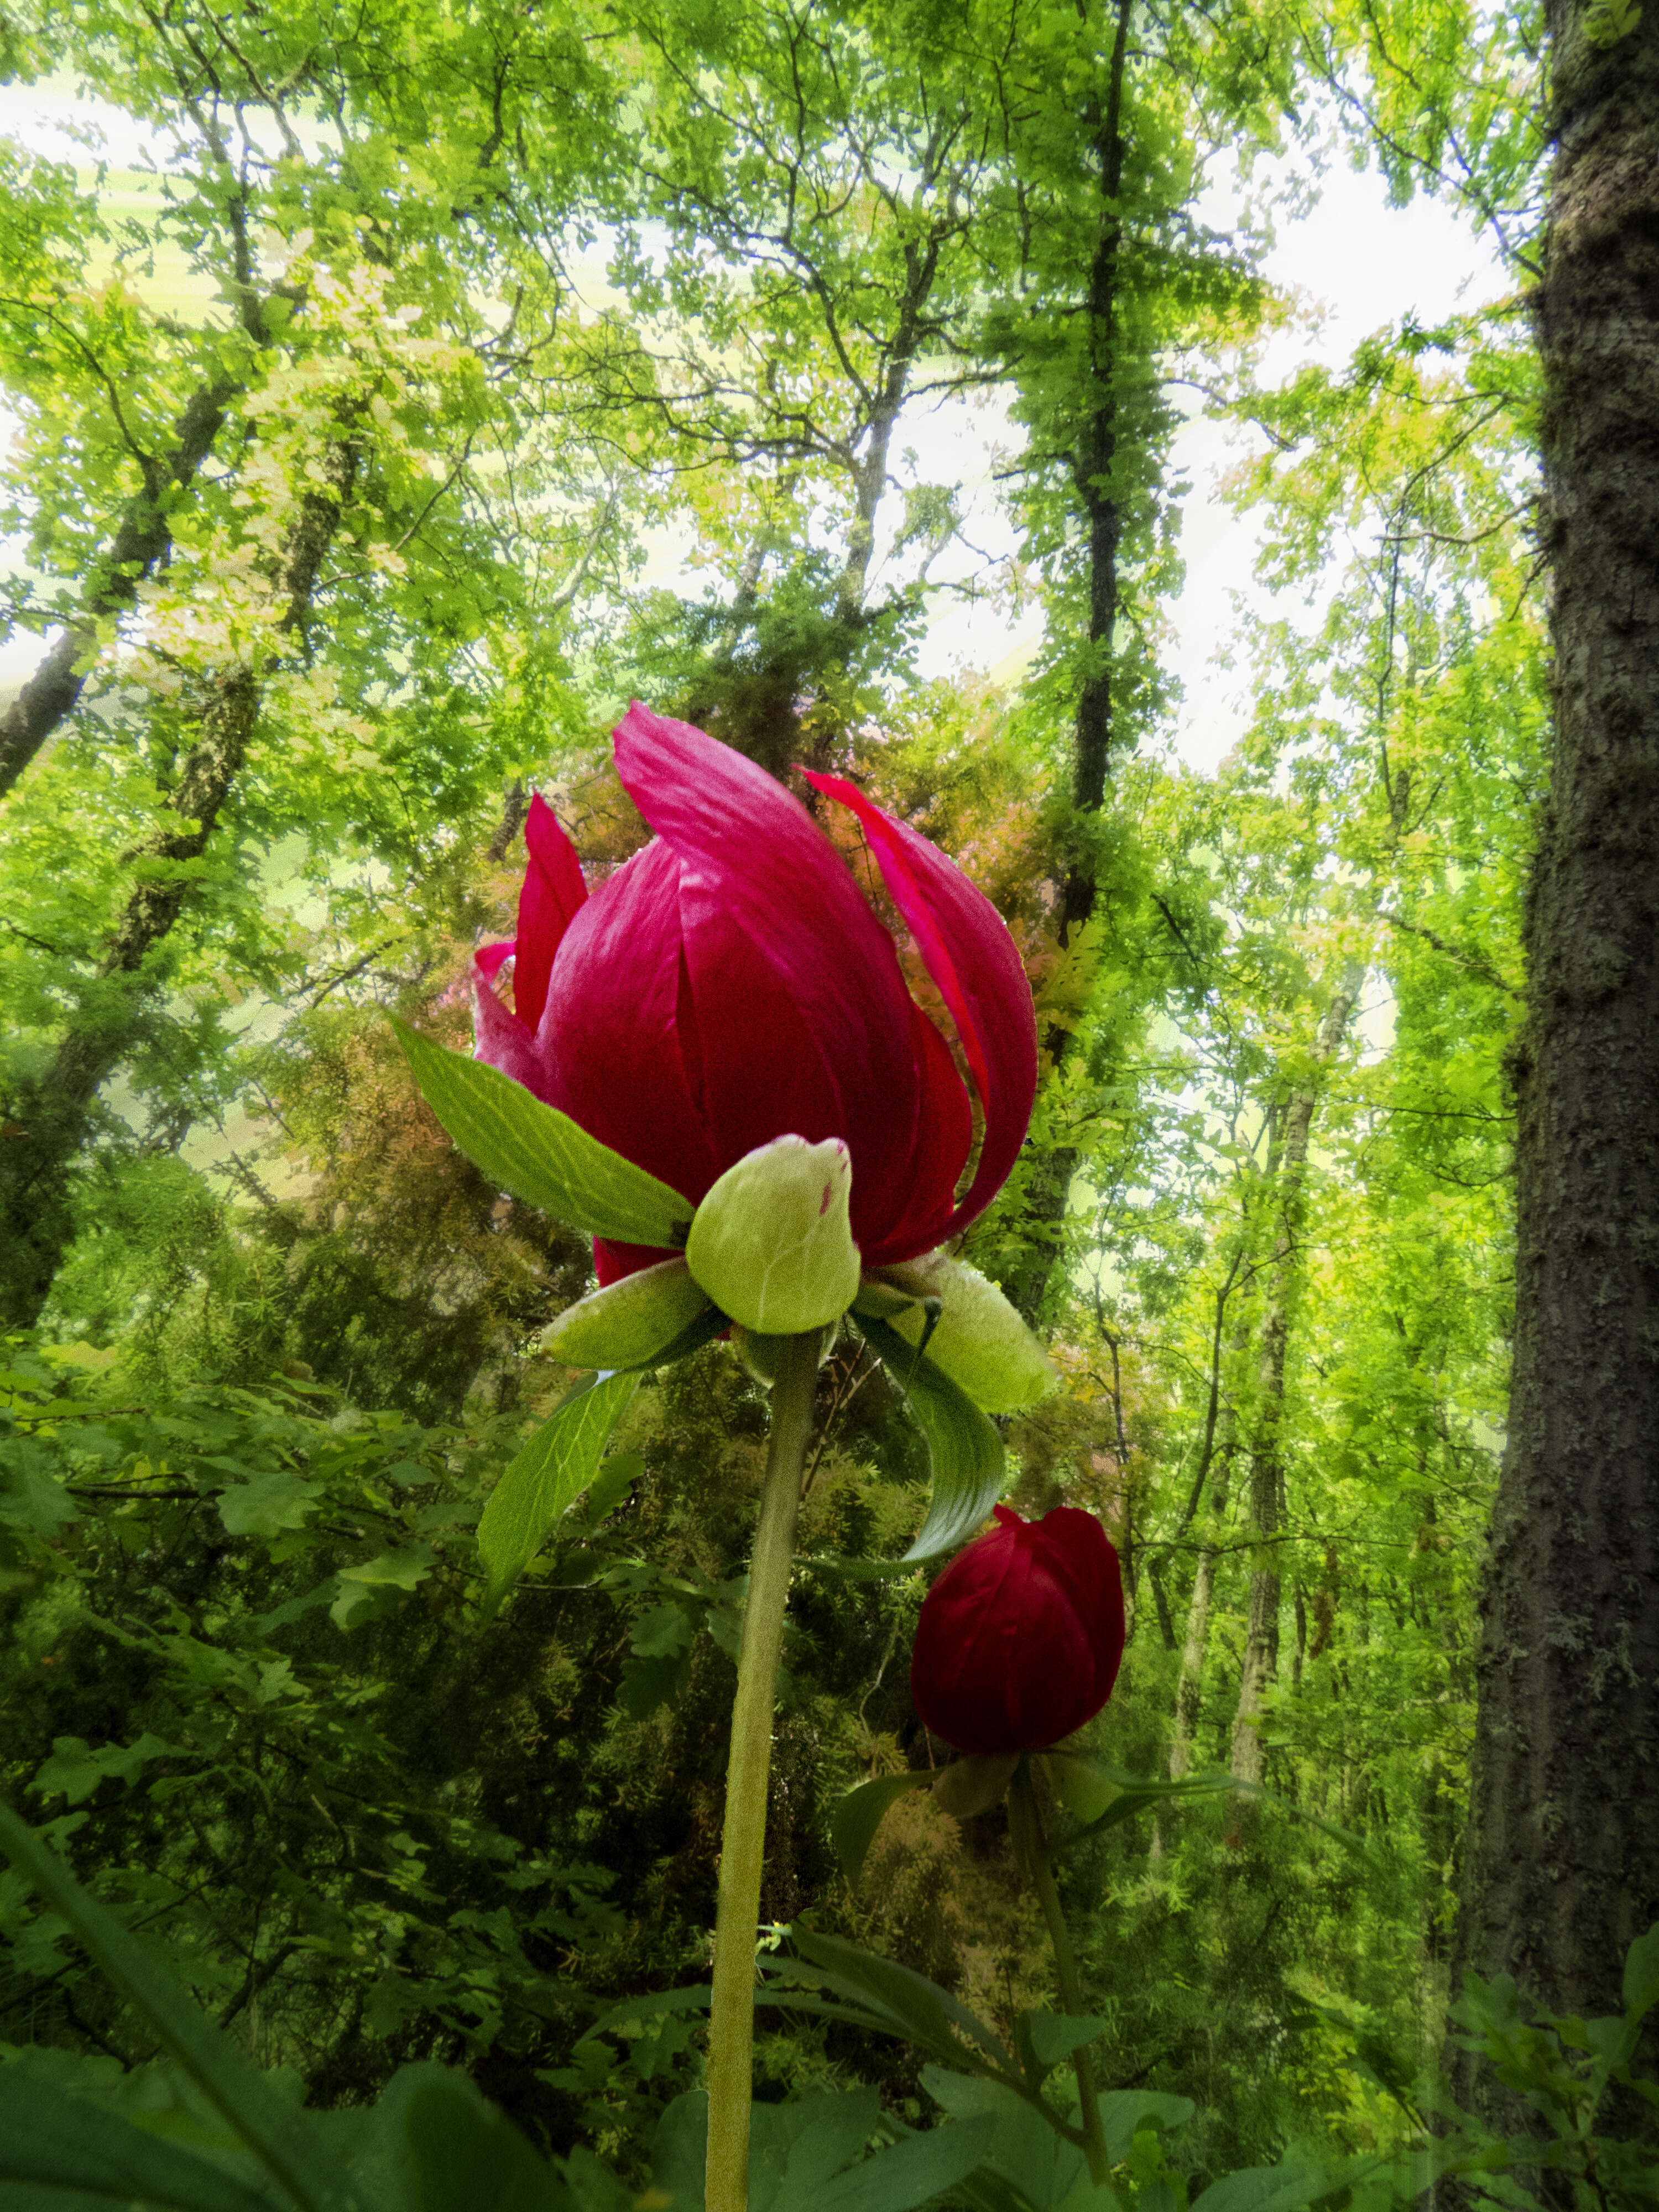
[
  {"x": 730, "y": 985},
  {"x": 1020, "y": 1638}
]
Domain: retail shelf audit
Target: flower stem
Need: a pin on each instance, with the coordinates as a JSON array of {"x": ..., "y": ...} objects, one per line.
[
  {"x": 731, "y": 2009},
  {"x": 1031, "y": 1846}
]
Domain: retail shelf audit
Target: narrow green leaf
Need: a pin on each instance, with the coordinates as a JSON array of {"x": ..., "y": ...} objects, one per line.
[
  {"x": 966, "y": 1451},
  {"x": 56, "y": 2144},
  {"x": 858, "y": 1815},
  {"x": 278, "y": 2137},
  {"x": 553, "y": 1468},
  {"x": 539, "y": 1153}
]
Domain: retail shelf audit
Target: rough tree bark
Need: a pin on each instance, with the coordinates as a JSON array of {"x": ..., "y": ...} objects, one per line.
[
  {"x": 50, "y": 1122},
  {"x": 1561, "y": 1868}
]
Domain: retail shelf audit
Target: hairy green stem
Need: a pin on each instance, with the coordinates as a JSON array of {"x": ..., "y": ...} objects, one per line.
[
  {"x": 1031, "y": 1846},
  {"x": 743, "y": 1842}
]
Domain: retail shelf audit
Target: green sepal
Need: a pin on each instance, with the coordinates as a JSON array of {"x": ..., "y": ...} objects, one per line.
[
  {"x": 967, "y": 1327},
  {"x": 974, "y": 1782},
  {"x": 966, "y": 1451},
  {"x": 631, "y": 1323},
  {"x": 547, "y": 1475},
  {"x": 540, "y": 1154},
  {"x": 771, "y": 1241}
]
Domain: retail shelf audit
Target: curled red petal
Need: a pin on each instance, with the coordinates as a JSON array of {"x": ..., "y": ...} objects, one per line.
[
  {"x": 608, "y": 1038},
  {"x": 488, "y": 959},
  {"x": 751, "y": 847},
  {"x": 944, "y": 1135},
  {"x": 977, "y": 967},
  {"x": 499, "y": 1036},
  {"x": 761, "y": 1071},
  {"x": 552, "y": 895}
]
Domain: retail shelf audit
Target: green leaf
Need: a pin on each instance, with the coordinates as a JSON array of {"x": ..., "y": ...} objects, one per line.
[
  {"x": 1053, "y": 2036},
  {"x": 58, "y": 2152},
  {"x": 858, "y": 1815},
  {"x": 771, "y": 1242},
  {"x": 1266, "y": 2189},
  {"x": 268, "y": 1505},
  {"x": 538, "y": 1152},
  {"x": 279, "y": 2138},
  {"x": 966, "y": 1451},
  {"x": 1641, "y": 1990},
  {"x": 973, "y": 1784},
  {"x": 553, "y": 1468},
  {"x": 76, "y": 1770},
  {"x": 1124, "y": 2112},
  {"x": 432, "y": 2143},
  {"x": 1026, "y": 2148},
  {"x": 898, "y": 2001},
  {"x": 1082, "y": 1786},
  {"x": 806, "y": 2155},
  {"x": 631, "y": 1323}
]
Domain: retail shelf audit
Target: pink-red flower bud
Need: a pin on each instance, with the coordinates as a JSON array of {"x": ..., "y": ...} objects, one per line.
[
  {"x": 1020, "y": 1638},
  {"x": 731, "y": 985}
]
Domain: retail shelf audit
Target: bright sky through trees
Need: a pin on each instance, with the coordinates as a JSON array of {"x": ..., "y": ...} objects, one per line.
[{"x": 1356, "y": 263}]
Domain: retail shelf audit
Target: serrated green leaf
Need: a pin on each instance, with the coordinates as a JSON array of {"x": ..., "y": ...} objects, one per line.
[
  {"x": 280, "y": 2139},
  {"x": 553, "y": 1468},
  {"x": 540, "y": 1154}
]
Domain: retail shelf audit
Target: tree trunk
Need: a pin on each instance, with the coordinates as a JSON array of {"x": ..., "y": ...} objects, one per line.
[
  {"x": 1562, "y": 1861},
  {"x": 1267, "y": 1484},
  {"x": 141, "y": 540},
  {"x": 1189, "y": 1687},
  {"x": 1093, "y": 723},
  {"x": 52, "y": 1117}
]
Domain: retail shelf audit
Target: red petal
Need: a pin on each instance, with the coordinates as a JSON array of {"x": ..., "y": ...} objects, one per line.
[
  {"x": 611, "y": 1261},
  {"x": 755, "y": 850},
  {"x": 760, "y": 1070},
  {"x": 488, "y": 957},
  {"x": 607, "y": 1036},
  {"x": 975, "y": 963},
  {"x": 499, "y": 1036},
  {"x": 944, "y": 1133},
  {"x": 553, "y": 893}
]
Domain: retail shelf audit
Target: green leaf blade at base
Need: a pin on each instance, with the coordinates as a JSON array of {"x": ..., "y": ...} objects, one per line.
[
  {"x": 547, "y": 1475},
  {"x": 278, "y": 2137},
  {"x": 63, "y": 2151},
  {"x": 540, "y": 1154}
]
